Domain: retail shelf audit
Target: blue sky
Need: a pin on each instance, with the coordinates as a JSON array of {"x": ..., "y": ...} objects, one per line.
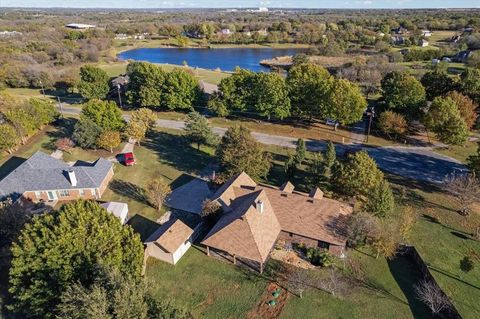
[{"x": 244, "y": 3}]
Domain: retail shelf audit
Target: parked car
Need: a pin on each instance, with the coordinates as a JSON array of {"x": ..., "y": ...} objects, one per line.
[{"x": 128, "y": 159}]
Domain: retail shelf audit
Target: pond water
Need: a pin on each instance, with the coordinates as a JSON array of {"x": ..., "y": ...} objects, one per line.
[{"x": 225, "y": 59}]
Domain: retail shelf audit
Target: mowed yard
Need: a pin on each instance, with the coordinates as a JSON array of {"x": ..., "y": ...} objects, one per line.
[{"x": 210, "y": 288}]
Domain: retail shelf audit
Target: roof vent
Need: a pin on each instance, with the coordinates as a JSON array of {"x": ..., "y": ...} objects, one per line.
[
  {"x": 287, "y": 187},
  {"x": 260, "y": 206},
  {"x": 316, "y": 193},
  {"x": 72, "y": 177}
]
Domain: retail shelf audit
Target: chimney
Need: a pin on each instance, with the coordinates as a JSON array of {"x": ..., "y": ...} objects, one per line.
[
  {"x": 259, "y": 205},
  {"x": 316, "y": 193},
  {"x": 72, "y": 177}
]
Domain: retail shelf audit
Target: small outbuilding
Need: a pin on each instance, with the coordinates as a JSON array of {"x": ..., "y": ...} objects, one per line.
[
  {"x": 170, "y": 241},
  {"x": 119, "y": 210}
]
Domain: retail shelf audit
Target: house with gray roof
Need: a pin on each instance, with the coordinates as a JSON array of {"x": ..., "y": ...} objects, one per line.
[{"x": 42, "y": 178}]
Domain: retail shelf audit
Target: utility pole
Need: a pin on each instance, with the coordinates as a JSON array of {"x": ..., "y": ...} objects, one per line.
[
  {"x": 43, "y": 91},
  {"x": 372, "y": 114},
  {"x": 119, "y": 95},
  {"x": 60, "y": 105}
]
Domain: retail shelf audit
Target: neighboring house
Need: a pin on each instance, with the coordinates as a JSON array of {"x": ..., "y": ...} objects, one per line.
[
  {"x": 122, "y": 36},
  {"x": 170, "y": 241},
  {"x": 189, "y": 197},
  {"x": 256, "y": 216},
  {"x": 80, "y": 26},
  {"x": 427, "y": 33},
  {"x": 462, "y": 56},
  {"x": 423, "y": 43},
  {"x": 121, "y": 80},
  {"x": 208, "y": 88},
  {"x": 397, "y": 40},
  {"x": 42, "y": 178},
  {"x": 225, "y": 32},
  {"x": 118, "y": 209},
  {"x": 6, "y": 34},
  {"x": 400, "y": 30}
]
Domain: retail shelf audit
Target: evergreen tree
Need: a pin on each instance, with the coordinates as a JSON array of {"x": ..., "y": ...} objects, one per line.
[
  {"x": 330, "y": 158},
  {"x": 86, "y": 133},
  {"x": 197, "y": 130},
  {"x": 300, "y": 152},
  {"x": 380, "y": 200}
]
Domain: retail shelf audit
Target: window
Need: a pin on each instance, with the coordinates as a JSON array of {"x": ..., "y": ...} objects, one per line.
[
  {"x": 81, "y": 192},
  {"x": 38, "y": 194},
  {"x": 290, "y": 234},
  {"x": 64, "y": 193},
  {"x": 322, "y": 244}
]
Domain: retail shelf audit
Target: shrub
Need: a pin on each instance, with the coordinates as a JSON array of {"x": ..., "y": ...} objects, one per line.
[
  {"x": 393, "y": 124},
  {"x": 466, "y": 264}
]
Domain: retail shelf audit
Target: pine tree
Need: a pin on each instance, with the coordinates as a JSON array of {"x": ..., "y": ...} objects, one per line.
[
  {"x": 197, "y": 130},
  {"x": 330, "y": 158}
]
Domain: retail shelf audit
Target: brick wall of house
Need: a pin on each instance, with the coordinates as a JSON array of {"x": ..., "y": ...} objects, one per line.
[
  {"x": 73, "y": 194},
  {"x": 105, "y": 182},
  {"x": 310, "y": 242}
]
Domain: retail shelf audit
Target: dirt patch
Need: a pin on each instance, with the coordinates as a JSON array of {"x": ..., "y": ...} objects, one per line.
[
  {"x": 265, "y": 308},
  {"x": 291, "y": 258}
]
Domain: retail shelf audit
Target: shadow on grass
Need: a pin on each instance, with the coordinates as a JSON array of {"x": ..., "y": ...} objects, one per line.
[
  {"x": 129, "y": 190},
  {"x": 11, "y": 164},
  {"x": 174, "y": 150},
  {"x": 63, "y": 128},
  {"x": 452, "y": 276},
  {"x": 407, "y": 275},
  {"x": 181, "y": 180},
  {"x": 143, "y": 226}
]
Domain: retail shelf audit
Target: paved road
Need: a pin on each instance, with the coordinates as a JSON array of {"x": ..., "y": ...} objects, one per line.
[{"x": 419, "y": 163}]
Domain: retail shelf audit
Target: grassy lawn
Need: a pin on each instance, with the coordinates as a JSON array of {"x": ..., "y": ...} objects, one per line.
[
  {"x": 205, "y": 286},
  {"x": 460, "y": 152}
]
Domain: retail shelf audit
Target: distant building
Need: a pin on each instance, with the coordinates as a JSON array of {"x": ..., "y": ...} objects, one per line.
[
  {"x": 263, "y": 32},
  {"x": 80, "y": 26},
  {"x": 400, "y": 30},
  {"x": 8, "y": 34},
  {"x": 225, "y": 31},
  {"x": 461, "y": 56},
  {"x": 427, "y": 33},
  {"x": 397, "y": 40},
  {"x": 423, "y": 43},
  {"x": 122, "y": 36}
]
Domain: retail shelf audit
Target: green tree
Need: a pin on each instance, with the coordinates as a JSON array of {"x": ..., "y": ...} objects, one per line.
[
  {"x": 330, "y": 158},
  {"x": 145, "y": 84},
  {"x": 135, "y": 130},
  {"x": 443, "y": 118},
  {"x": 145, "y": 116},
  {"x": 470, "y": 84},
  {"x": 474, "y": 161},
  {"x": 23, "y": 123},
  {"x": 270, "y": 95},
  {"x": 197, "y": 130},
  {"x": 466, "y": 107},
  {"x": 109, "y": 140},
  {"x": 105, "y": 114},
  {"x": 238, "y": 151},
  {"x": 86, "y": 133},
  {"x": 64, "y": 247},
  {"x": 8, "y": 138},
  {"x": 300, "y": 152},
  {"x": 437, "y": 83},
  {"x": 346, "y": 103},
  {"x": 380, "y": 200},
  {"x": 309, "y": 85},
  {"x": 358, "y": 176},
  {"x": 180, "y": 90},
  {"x": 93, "y": 82},
  {"x": 403, "y": 93},
  {"x": 42, "y": 110}
]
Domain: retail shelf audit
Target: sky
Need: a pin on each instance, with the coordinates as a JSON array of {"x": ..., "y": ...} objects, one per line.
[{"x": 243, "y": 3}]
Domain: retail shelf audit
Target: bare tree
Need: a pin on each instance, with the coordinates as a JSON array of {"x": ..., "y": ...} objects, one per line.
[
  {"x": 466, "y": 190},
  {"x": 430, "y": 294},
  {"x": 157, "y": 191},
  {"x": 335, "y": 283},
  {"x": 298, "y": 281}
]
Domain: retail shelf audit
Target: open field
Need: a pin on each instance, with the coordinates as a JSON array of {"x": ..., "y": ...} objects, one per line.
[{"x": 440, "y": 37}]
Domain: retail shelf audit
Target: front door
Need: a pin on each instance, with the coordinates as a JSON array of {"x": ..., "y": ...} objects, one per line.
[{"x": 52, "y": 195}]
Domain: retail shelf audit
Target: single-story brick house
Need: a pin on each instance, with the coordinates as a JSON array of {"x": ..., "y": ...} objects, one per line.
[
  {"x": 42, "y": 178},
  {"x": 256, "y": 216}
]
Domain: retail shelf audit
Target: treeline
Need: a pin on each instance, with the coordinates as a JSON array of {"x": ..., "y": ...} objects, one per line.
[
  {"x": 19, "y": 121},
  {"x": 309, "y": 91}
]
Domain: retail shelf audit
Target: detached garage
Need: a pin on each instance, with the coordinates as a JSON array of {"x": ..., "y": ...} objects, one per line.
[{"x": 170, "y": 241}]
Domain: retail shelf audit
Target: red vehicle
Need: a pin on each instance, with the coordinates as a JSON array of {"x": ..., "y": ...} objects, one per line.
[{"x": 128, "y": 159}]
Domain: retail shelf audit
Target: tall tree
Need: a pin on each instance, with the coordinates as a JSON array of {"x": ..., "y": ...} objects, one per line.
[
  {"x": 308, "y": 86},
  {"x": 180, "y": 90},
  {"x": 270, "y": 95},
  {"x": 330, "y": 158},
  {"x": 109, "y": 140},
  {"x": 145, "y": 84},
  {"x": 300, "y": 152},
  {"x": 136, "y": 130},
  {"x": 466, "y": 107},
  {"x": 145, "y": 116},
  {"x": 105, "y": 114},
  {"x": 346, "y": 103},
  {"x": 403, "y": 93},
  {"x": 8, "y": 138},
  {"x": 86, "y": 133},
  {"x": 437, "y": 83},
  {"x": 238, "y": 151},
  {"x": 380, "y": 200},
  {"x": 157, "y": 191},
  {"x": 470, "y": 83},
  {"x": 474, "y": 161},
  {"x": 197, "y": 130},
  {"x": 93, "y": 82},
  {"x": 23, "y": 123},
  {"x": 63, "y": 247},
  {"x": 444, "y": 118}
]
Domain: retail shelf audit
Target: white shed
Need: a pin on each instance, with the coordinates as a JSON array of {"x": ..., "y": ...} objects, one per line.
[
  {"x": 120, "y": 210},
  {"x": 170, "y": 241}
]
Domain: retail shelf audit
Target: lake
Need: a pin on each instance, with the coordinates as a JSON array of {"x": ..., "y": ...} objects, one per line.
[{"x": 225, "y": 59}]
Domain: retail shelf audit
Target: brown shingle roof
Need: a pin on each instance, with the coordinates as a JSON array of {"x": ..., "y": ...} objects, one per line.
[
  {"x": 245, "y": 231},
  {"x": 171, "y": 235}
]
